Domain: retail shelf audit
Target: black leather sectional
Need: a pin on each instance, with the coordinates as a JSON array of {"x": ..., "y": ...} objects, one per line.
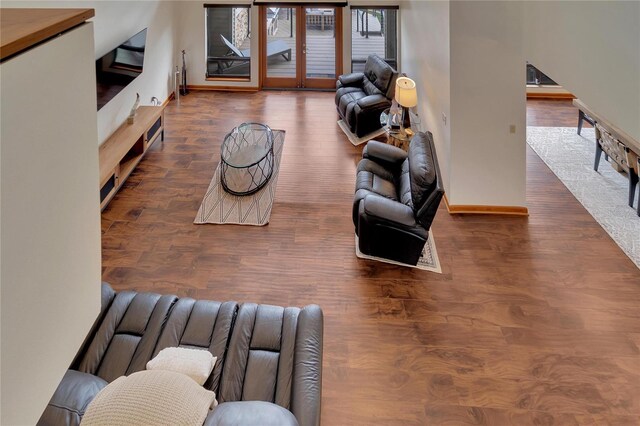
[
  {"x": 362, "y": 96},
  {"x": 269, "y": 367}
]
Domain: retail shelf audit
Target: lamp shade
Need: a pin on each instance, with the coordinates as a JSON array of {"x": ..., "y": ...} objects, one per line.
[{"x": 406, "y": 94}]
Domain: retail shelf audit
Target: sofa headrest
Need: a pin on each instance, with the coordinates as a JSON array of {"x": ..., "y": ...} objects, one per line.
[
  {"x": 381, "y": 74},
  {"x": 422, "y": 168}
]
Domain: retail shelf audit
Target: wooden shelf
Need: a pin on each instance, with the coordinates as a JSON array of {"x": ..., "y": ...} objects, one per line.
[
  {"x": 127, "y": 165},
  {"x": 121, "y": 153}
]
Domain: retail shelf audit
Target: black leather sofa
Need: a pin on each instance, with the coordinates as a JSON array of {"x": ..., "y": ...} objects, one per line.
[
  {"x": 397, "y": 197},
  {"x": 268, "y": 371},
  {"x": 362, "y": 96}
]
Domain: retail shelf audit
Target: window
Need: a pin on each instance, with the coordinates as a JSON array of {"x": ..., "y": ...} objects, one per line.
[
  {"x": 228, "y": 33},
  {"x": 537, "y": 77},
  {"x": 374, "y": 30}
]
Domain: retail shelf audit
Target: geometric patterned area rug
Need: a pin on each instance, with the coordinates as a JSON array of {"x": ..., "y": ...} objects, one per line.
[
  {"x": 604, "y": 194},
  {"x": 220, "y": 207},
  {"x": 428, "y": 259},
  {"x": 355, "y": 141}
]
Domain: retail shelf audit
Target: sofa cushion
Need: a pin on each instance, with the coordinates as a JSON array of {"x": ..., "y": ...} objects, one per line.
[
  {"x": 200, "y": 324},
  {"x": 127, "y": 336},
  {"x": 422, "y": 171},
  {"x": 376, "y": 184},
  {"x": 250, "y": 413},
  {"x": 259, "y": 365},
  {"x": 71, "y": 398},
  {"x": 371, "y": 89},
  {"x": 150, "y": 398},
  {"x": 347, "y": 104},
  {"x": 344, "y": 91},
  {"x": 195, "y": 363},
  {"x": 404, "y": 186},
  {"x": 379, "y": 72}
]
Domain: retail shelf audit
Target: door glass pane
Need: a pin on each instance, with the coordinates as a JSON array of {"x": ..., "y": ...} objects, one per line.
[
  {"x": 373, "y": 31},
  {"x": 320, "y": 43},
  {"x": 281, "y": 42},
  {"x": 228, "y": 42}
]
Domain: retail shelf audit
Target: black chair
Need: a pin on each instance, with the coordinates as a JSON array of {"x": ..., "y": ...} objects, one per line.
[
  {"x": 397, "y": 197},
  {"x": 362, "y": 96}
]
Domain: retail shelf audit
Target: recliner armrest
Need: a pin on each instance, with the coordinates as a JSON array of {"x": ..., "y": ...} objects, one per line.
[
  {"x": 306, "y": 387},
  {"x": 351, "y": 80},
  {"x": 375, "y": 150},
  {"x": 374, "y": 102},
  {"x": 389, "y": 210}
]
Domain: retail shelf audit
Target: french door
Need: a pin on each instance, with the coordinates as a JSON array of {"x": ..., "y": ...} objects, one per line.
[{"x": 300, "y": 46}]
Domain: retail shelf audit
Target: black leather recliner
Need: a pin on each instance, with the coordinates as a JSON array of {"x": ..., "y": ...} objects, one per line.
[
  {"x": 362, "y": 97},
  {"x": 397, "y": 197}
]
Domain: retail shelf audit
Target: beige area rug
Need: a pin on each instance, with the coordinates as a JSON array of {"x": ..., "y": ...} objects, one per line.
[
  {"x": 220, "y": 207},
  {"x": 355, "y": 141},
  {"x": 428, "y": 260},
  {"x": 603, "y": 193}
]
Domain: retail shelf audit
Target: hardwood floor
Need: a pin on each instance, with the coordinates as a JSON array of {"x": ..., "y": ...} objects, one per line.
[{"x": 534, "y": 320}]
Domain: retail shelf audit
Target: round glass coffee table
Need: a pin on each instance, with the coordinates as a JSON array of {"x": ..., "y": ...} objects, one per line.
[{"x": 246, "y": 158}]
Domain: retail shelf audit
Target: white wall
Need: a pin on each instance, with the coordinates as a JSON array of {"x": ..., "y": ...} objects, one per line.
[
  {"x": 115, "y": 22},
  {"x": 446, "y": 46},
  {"x": 50, "y": 209},
  {"x": 488, "y": 95},
  {"x": 468, "y": 60},
  {"x": 592, "y": 48},
  {"x": 425, "y": 46}
]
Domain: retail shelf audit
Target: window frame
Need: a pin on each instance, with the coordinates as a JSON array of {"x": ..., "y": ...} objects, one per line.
[
  {"x": 235, "y": 59},
  {"x": 394, "y": 62}
]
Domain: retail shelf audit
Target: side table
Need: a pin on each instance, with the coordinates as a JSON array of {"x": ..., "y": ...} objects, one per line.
[{"x": 396, "y": 135}]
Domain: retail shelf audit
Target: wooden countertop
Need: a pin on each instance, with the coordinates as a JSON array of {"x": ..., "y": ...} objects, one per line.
[{"x": 21, "y": 29}]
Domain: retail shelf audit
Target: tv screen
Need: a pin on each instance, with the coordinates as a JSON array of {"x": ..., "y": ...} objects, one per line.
[{"x": 118, "y": 68}]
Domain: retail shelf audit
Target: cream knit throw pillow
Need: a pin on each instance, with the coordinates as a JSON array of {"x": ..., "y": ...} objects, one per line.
[
  {"x": 150, "y": 398},
  {"x": 195, "y": 363}
]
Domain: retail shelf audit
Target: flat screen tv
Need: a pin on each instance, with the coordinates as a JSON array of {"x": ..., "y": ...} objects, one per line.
[{"x": 118, "y": 68}]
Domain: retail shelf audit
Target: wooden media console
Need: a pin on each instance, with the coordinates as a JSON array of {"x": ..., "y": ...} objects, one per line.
[{"x": 124, "y": 149}]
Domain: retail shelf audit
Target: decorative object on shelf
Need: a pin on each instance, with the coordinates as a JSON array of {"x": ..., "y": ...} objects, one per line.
[
  {"x": 407, "y": 97},
  {"x": 155, "y": 101},
  {"x": 183, "y": 88},
  {"x": 134, "y": 109}
]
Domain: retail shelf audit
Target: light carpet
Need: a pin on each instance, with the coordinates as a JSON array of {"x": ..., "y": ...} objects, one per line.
[
  {"x": 220, "y": 207},
  {"x": 355, "y": 141},
  {"x": 603, "y": 193},
  {"x": 428, "y": 259}
]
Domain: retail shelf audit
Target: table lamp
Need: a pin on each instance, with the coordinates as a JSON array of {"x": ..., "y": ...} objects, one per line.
[{"x": 407, "y": 97}]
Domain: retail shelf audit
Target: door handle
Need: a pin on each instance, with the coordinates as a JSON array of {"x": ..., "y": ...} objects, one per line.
[{"x": 304, "y": 48}]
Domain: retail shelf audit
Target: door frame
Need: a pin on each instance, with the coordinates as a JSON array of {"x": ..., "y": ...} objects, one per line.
[{"x": 300, "y": 81}]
